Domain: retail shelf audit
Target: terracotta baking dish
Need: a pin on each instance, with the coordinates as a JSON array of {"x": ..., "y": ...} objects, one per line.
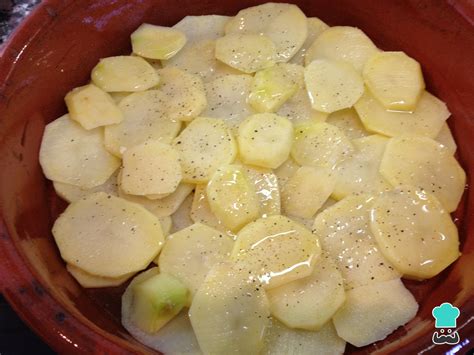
[{"x": 54, "y": 51}]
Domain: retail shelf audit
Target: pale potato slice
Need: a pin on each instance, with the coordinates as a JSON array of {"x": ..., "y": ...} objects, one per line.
[
  {"x": 315, "y": 28},
  {"x": 246, "y": 52},
  {"x": 320, "y": 145},
  {"x": 144, "y": 119},
  {"x": 285, "y": 171},
  {"x": 150, "y": 168},
  {"x": 307, "y": 190},
  {"x": 427, "y": 165},
  {"x": 372, "y": 312},
  {"x": 394, "y": 79},
  {"x": 119, "y": 96},
  {"x": 414, "y": 232},
  {"x": 348, "y": 122},
  {"x": 360, "y": 172},
  {"x": 124, "y": 73},
  {"x": 309, "y": 303},
  {"x": 344, "y": 233},
  {"x": 298, "y": 109},
  {"x": 93, "y": 281},
  {"x": 75, "y": 156},
  {"x": 182, "y": 217},
  {"x": 265, "y": 140},
  {"x": 232, "y": 197},
  {"x": 445, "y": 137},
  {"x": 157, "y": 42},
  {"x": 166, "y": 225},
  {"x": 266, "y": 188},
  {"x": 309, "y": 222},
  {"x": 427, "y": 119},
  {"x": 107, "y": 236},
  {"x": 276, "y": 250},
  {"x": 332, "y": 85},
  {"x": 344, "y": 43},
  {"x": 190, "y": 253},
  {"x": 203, "y": 146},
  {"x": 229, "y": 313},
  {"x": 204, "y": 27}
]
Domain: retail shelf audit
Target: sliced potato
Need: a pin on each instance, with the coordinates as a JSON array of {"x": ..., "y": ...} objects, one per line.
[
  {"x": 332, "y": 85},
  {"x": 205, "y": 27},
  {"x": 203, "y": 146},
  {"x": 309, "y": 222},
  {"x": 298, "y": 109},
  {"x": 166, "y": 224},
  {"x": 348, "y": 122},
  {"x": 445, "y": 137},
  {"x": 285, "y": 171},
  {"x": 267, "y": 189},
  {"x": 118, "y": 96},
  {"x": 72, "y": 155},
  {"x": 157, "y": 42},
  {"x": 182, "y": 217},
  {"x": 427, "y": 165},
  {"x": 93, "y": 281},
  {"x": 315, "y": 28},
  {"x": 394, "y": 79},
  {"x": 107, "y": 236},
  {"x": 124, "y": 73}
]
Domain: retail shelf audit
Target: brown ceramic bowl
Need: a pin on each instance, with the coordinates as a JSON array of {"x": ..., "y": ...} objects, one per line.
[{"x": 55, "y": 50}]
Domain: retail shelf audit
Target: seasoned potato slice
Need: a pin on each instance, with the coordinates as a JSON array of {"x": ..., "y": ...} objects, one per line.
[
  {"x": 276, "y": 250},
  {"x": 93, "y": 281},
  {"x": 182, "y": 217},
  {"x": 315, "y": 28},
  {"x": 124, "y": 73},
  {"x": 309, "y": 303},
  {"x": 426, "y": 164},
  {"x": 445, "y": 137},
  {"x": 267, "y": 189},
  {"x": 348, "y": 122},
  {"x": 285, "y": 171},
  {"x": 157, "y": 42},
  {"x": 75, "y": 156},
  {"x": 107, "y": 236},
  {"x": 199, "y": 28},
  {"x": 414, "y": 232},
  {"x": 427, "y": 119},
  {"x": 203, "y": 146},
  {"x": 332, "y": 85},
  {"x": 144, "y": 119},
  {"x": 298, "y": 109},
  {"x": 344, "y": 43},
  {"x": 372, "y": 312},
  {"x": 394, "y": 79},
  {"x": 320, "y": 145}
]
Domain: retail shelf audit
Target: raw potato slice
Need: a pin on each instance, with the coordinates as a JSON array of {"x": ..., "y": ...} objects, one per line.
[
  {"x": 285, "y": 171},
  {"x": 342, "y": 43},
  {"x": 414, "y": 232},
  {"x": 266, "y": 187},
  {"x": 229, "y": 313},
  {"x": 445, "y": 137},
  {"x": 344, "y": 233},
  {"x": 144, "y": 119},
  {"x": 248, "y": 53},
  {"x": 124, "y": 73},
  {"x": 157, "y": 42},
  {"x": 281, "y": 340},
  {"x": 332, "y": 85},
  {"x": 166, "y": 224},
  {"x": 276, "y": 250},
  {"x": 190, "y": 253},
  {"x": 309, "y": 303},
  {"x": 182, "y": 217},
  {"x": 265, "y": 140},
  {"x": 360, "y": 173},
  {"x": 75, "y": 156},
  {"x": 232, "y": 197},
  {"x": 298, "y": 109},
  {"x": 307, "y": 190},
  {"x": 271, "y": 87},
  {"x": 320, "y": 145},
  {"x": 348, "y": 122},
  {"x": 427, "y": 119},
  {"x": 309, "y": 222},
  {"x": 107, "y": 236},
  {"x": 394, "y": 79},
  {"x": 118, "y": 96},
  {"x": 204, "y": 145},
  {"x": 150, "y": 168},
  {"x": 199, "y": 28},
  {"x": 92, "y": 107},
  {"x": 427, "y": 165},
  {"x": 185, "y": 94},
  {"x": 92, "y": 281},
  {"x": 372, "y": 312},
  {"x": 315, "y": 28}
]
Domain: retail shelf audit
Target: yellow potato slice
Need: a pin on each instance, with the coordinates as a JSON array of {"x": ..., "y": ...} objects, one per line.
[
  {"x": 427, "y": 165},
  {"x": 144, "y": 119},
  {"x": 75, "y": 156},
  {"x": 199, "y": 28},
  {"x": 445, "y": 137},
  {"x": 190, "y": 253},
  {"x": 124, "y": 73},
  {"x": 107, "y": 236},
  {"x": 285, "y": 171},
  {"x": 309, "y": 222},
  {"x": 157, "y": 42},
  {"x": 118, "y": 96},
  {"x": 266, "y": 188},
  {"x": 166, "y": 224},
  {"x": 344, "y": 43},
  {"x": 344, "y": 233},
  {"x": 298, "y": 109},
  {"x": 320, "y": 145},
  {"x": 309, "y": 303},
  {"x": 427, "y": 119},
  {"x": 332, "y": 85},
  {"x": 315, "y": 28},
  {"x": 307, "y": 190},
  {"x": 394, "y": 79},
  {"x": 414, "y": 232},
  {"x": 348, "y": 122},
  {"x": 276, "y": 250},
  {"x": 372, "y": 312},
  {"x": 246, "y": 52},
  {"x": 93, "y": 281},
  {"x": 203, "y": 146},
  {"x": 182, "y": 217}
]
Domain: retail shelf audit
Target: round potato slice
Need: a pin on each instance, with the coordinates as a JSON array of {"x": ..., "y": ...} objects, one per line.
[
  {"x": 107, "y": 236},
  {"x": 72, "y": 155},
  {"x": 267, "y": 189},
  {"x": 315, "y": 28},
  {"x": 348, "y": 122},
  {"x": 298, "y": 109},
  {"x": 157, "y": 42},
  {"x": 93, "y": 281},
  {"x": 204, "y": 27},
  {"x": 285, "y": 171},
  {"x": 445, "y": 137}
]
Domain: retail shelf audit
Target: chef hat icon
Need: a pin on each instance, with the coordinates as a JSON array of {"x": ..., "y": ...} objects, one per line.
[{"x": 445, "y": 315}]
